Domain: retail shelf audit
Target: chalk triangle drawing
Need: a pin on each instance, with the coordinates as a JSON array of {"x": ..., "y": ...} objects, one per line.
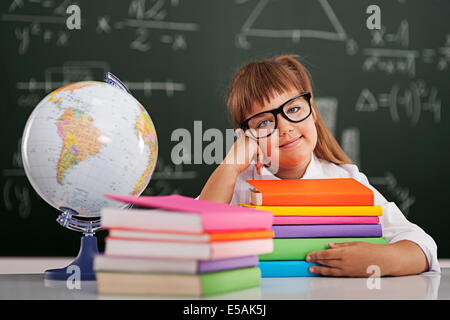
[
  {"x": 247, "y": 30},
  {"x": 366, "y": 101}
]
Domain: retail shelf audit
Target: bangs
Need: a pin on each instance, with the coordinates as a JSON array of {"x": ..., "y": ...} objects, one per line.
[{"x": 258, "y": 82}]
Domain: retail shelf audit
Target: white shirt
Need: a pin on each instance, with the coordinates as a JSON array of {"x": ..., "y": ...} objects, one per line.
[{"x": 395, "y": 226}]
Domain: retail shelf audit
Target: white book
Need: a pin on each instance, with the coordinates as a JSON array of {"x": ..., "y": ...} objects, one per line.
[
  {"x": 139, "y": 264},
  {"x": 164, "y": 236},
  {"x": 151, "y": 218},
  {"x": 185, "y": 250}
]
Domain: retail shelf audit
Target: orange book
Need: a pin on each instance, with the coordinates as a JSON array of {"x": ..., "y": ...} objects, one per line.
[
  {"x": 310, "y": 192},
  {"x": 171, "y": 236}
]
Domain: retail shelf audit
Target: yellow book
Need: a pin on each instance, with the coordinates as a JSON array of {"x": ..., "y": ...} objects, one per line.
[{"x": 320, "y": 210}]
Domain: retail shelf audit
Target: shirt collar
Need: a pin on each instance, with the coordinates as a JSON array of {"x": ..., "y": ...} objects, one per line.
[{"x": 313, "y": 171}]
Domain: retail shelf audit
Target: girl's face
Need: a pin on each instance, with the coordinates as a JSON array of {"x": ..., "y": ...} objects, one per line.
[{"x": 291, "y": 146}]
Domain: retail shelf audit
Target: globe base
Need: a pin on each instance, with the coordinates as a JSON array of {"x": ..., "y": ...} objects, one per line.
[{"x": 82, "y": 267}]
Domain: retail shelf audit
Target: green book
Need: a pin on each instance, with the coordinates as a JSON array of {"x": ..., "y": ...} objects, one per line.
[
  {"x": 226, "y": 281},
  {"x": 166, "y": 284},
  {"x": 298, "y": 248}
]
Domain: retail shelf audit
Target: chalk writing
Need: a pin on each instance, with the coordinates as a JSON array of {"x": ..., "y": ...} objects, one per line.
[
  {"x": 415, "y": 99},
  {"x": 144, "y": 18},
  {"x": 401, "y": 195},
  {"x": 73, "y": 71},
  {"x": 50, "y": 27}
]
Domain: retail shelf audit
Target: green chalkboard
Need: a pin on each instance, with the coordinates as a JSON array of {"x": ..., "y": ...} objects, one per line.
[{"x": 383, "y": 93}]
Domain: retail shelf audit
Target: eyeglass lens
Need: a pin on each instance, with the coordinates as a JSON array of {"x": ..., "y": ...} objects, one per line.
[{"x": 264, "y": 124}]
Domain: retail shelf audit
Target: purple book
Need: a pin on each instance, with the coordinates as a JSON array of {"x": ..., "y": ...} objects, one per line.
[
  {"x": 328, "y": 231},
  {"x": 109, "y": 263},
  {"x": 227, "y": 264}
]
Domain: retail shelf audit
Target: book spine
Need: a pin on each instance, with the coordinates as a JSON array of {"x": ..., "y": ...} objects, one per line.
[
  {"x": 148, "y": 284},
  {"x": 328, "y": 231},
  {"x": 289, "y": 220},
  {"x": 244, "y": 235},
  {"x": 229, "y": 249},
  {"x": 205, "y": 266},
  {"x": 322, "y": 211},
  {"x": 286, "y": 269},
  {"x": 244, "y": 221},
  {"x": 356, "y": 199},
  {"x": 156, "y": 249},
  {"x": 226, "y": 281},
  {"x": 297, "y": 249}
]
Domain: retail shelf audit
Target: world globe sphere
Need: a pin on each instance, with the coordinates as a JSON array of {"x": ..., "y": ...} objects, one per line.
[{"x": 85, "y": 140}]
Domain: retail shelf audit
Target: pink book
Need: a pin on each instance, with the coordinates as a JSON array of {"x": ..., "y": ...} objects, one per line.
[
  {"x": 184, "y": 214},
  {"x": 285, "y": 220}
]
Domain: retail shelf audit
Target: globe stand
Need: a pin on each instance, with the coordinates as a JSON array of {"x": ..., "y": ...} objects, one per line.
[{"x": 82, "y": 267}]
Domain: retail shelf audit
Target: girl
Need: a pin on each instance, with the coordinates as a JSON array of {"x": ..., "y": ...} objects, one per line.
[{"x": 273, "y": 104}]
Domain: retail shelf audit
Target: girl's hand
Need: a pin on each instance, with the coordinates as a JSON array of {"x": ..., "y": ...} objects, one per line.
[
  {"x": 351, "y": 259},
  {"x": 242, "y": 153}
]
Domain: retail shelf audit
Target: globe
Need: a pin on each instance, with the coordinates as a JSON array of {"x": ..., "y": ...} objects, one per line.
[{"x": 87, "y": 139}]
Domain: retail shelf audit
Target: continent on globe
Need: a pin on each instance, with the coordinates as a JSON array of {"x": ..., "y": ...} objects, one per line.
[
  {"x": 71, "y": 87},
  {"x": 147, "y": 135},
  {"x": 80, "y": 139}
]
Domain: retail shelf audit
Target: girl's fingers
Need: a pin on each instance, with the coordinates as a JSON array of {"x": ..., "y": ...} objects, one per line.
[
  {"x": 326, "y": 271},
  {"x": 334, "y": 263},
  {"x": 324, "y": 255},
  {"x": 239, "y": 133},
  {"x": 342, "y": 244},
  {"x": 271, "y": 153},
  {"x": 259, "y": 160}
]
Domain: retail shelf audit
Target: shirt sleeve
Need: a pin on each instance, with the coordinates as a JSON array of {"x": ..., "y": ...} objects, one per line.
[{"x": 396, "y": 227}]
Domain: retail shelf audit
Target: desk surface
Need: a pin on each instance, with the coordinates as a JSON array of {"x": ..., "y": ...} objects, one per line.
[{"x": 31, "y": 286}]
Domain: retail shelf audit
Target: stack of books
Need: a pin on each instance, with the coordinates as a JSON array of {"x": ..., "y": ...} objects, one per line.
[
  {"x": 311, "y": 213},
  {"x": 179, "y": 246}
]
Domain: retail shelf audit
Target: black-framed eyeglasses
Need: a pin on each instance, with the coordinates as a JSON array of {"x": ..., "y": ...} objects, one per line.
[{"x": 263, "y": 124}]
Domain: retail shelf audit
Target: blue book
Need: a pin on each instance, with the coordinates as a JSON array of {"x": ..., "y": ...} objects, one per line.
[{"x": 286, "y": 268}]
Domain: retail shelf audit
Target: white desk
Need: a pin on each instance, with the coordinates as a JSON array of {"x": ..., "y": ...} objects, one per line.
[{"x": 22, "y": 278}]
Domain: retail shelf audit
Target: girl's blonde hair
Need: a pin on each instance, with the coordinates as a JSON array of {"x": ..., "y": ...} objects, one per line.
[{"x": 258, "y": 81}]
